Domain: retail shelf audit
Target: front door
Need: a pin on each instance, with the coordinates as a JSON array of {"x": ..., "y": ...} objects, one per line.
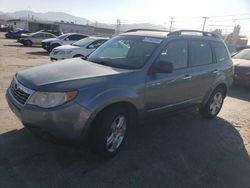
[{"x": 165, "y": 90}]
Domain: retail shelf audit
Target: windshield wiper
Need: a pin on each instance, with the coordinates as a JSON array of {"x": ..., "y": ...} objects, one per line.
[{"x": 101, "y": 62}]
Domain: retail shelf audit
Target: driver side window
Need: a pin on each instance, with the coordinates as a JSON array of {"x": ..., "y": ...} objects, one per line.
[{"x": 176, "y": 53}]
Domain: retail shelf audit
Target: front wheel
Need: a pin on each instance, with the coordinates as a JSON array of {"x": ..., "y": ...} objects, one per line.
[
  {"x": 49, "y": 49},
  {"x": 27, "y": 43},
  {"x": 109, "y": 132},
  {"x": 214, "y": 104}
]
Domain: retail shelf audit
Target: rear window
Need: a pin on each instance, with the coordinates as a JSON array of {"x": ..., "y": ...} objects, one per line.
[
  {"x": 201, "y": 53},
  {"x": 220, "y": 51}
]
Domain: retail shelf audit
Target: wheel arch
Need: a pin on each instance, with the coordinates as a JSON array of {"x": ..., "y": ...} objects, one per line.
[
  {"x": 130, "y": 108},
  {"x": 221, "y": 85}
]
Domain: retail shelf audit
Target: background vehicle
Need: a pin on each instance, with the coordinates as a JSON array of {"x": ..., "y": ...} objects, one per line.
[
  {"x": 99, "y": 99},
  {"x": 55, "y": 32},
  {"x": 15, "y": 34},
  {"x": 35, "y": 38},
  {"x": 68, "y": 38},
  {"x": 81, "y": 48},
  {"x": 242, "y": 67}
]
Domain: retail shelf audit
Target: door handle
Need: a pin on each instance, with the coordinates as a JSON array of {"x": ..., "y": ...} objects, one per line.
[
  {"x": 188, "y": 77},
  {"x": 216, "y": 71}
]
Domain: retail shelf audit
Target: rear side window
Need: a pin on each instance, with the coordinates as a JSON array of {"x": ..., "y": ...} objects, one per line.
[
  {"x": 200, "y": 53},
  {"x": 220, "y": 51},
  {"x": 97, "y": 43},
  {"x": 39, "y": 35},
  {"x": 176, "y": 53},
  {"x": 49, "y": 36},
  {"x": 76, "y": 37}
]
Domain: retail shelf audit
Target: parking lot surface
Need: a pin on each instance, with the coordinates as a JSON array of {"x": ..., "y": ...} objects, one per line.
[{"x": 181, "y": 150}]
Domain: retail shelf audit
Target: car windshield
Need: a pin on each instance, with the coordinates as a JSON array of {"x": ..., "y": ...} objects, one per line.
[
  {"x": 244, "y": 54},
  {"x": 127, "y": 52},
  {"x": 84, "y": 42},
  {"x": 62, "y": 36}
]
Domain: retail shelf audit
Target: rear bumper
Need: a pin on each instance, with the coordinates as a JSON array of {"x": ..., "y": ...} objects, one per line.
[{"x": 66, "y": 121}]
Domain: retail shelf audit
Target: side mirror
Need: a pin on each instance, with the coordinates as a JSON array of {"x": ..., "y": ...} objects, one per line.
[
  {"x": 67, "y": 39},
  {"x": 163, "y": 67},
  {"x": 91, "y": 46}
]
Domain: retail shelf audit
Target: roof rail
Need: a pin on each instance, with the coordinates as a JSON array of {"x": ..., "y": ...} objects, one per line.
[
  {"x": 204, "y": 33},
  {"x": 134, "y": 30}
]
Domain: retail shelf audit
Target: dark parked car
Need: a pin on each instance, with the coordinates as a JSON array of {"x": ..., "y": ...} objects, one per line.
[
  {"x": 68, "y": 38},
  {"x": 15, "y": 34},
  {"x": 242, "y": 67},
  {"x": 4, "y": 28},
  {"x": 133, "y": 76}
]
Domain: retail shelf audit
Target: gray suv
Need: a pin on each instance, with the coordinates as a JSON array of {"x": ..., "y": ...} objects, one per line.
[{"x": 134, "y": 75}]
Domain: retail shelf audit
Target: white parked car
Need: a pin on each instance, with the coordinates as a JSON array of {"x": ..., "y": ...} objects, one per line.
[
  {"x": 81, "y": 48},
  {"x": 68, "y": 38}
]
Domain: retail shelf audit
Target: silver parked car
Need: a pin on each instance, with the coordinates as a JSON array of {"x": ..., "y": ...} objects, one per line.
[
  {"x": 35, "y": 38},
  {"x": 130, "y": 77}
]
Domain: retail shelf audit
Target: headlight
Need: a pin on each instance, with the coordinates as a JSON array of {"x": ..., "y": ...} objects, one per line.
[{"x": 51, "y": 99}]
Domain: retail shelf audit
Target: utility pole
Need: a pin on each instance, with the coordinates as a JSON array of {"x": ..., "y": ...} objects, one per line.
[
  {"x": 118, "y": 26},
  {"x": 171, "y": 23},
  {"x": 205, "y": 19}
]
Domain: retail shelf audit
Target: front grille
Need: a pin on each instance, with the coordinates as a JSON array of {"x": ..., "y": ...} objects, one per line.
[{"x": 19, "y": 92}]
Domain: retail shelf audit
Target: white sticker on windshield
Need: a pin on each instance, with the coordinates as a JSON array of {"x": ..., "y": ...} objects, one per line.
[{"x": 152, "y": 40}]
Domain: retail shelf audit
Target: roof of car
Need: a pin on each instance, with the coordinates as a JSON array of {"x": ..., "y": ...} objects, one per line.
[
  {"x": 157, "y": 34},
  {"x": 164, "y": 34},
  {"x": 74, "y": 34},
  {"x": 95, "y": 37},
  {"x": 42, "y": 33}
]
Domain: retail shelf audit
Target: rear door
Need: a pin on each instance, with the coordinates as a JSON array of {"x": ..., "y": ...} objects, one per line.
[
  {"x": 73, "y": 38},
  {"x": 202, "y": 70},
  {"x": 37, "y": 38}
]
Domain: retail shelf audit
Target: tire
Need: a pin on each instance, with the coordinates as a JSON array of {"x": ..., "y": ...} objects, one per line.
[
  {"x": 214, "y": 104},
  {"x": 52, "y": 47},
  {"x": 27, "y": 43},
  {"x": 109, "y": 132}
]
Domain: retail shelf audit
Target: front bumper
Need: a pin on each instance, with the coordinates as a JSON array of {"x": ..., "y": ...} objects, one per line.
[
  {"x": 67, "y": 121},
  {"x": 20, "y": 40},
  {"x": 45, "y": 45},
  {"x": 57, "y": 57}
]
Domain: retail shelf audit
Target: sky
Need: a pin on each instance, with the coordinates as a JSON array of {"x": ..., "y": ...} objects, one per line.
[{"x": 186, "y": 12}]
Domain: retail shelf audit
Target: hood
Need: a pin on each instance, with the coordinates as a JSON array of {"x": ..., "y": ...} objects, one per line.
[
  {"x": 49, "y": 40},
  {"x": 67, "y": 47},
  {"x": 66, "y": 75},
  {"x": 241, "y": 63}
]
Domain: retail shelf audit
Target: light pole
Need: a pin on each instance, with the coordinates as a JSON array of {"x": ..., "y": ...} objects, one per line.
[
  {"x": 171, "y": 23},
  {"x": 205, "y": 19}
]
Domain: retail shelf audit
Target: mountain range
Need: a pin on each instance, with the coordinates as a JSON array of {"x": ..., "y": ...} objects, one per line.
[{"x": 61, "y": 16}]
